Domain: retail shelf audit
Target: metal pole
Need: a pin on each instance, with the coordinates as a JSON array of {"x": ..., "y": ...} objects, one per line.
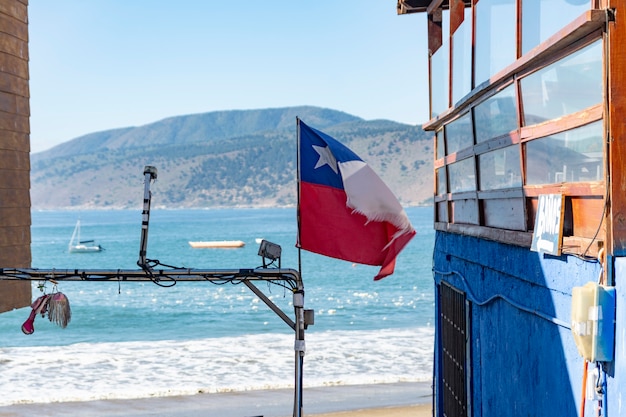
[
  {"x": 150, "y": 173},
  {"x": 300, "y": 348}
]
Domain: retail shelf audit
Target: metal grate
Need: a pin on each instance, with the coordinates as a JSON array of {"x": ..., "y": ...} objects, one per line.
[{"x": 453, "y": 324}]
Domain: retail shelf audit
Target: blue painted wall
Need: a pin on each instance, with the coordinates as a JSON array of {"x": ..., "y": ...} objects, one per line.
[
  {"x": 524, "y": 361},
  {"x": 616, "y": 390}
]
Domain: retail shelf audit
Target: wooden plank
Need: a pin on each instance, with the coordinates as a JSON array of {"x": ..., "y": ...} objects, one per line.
[
  {"x": 597, "y": 188},
  {"x": 460, "y": 155},
  {"x": 435, "y": 32},
  {"x": 464, "y": 211},
  {"x": 13, "y": 84},
  {"x": 510, "y": 237},
  {"x": 616, "y": 244},
  {"x": 15, "y": 160},
  {"x": 588, "y": 217},
  {"x": 466, "y": 195},
  {"x": 457, "y": 14},
  {"x": 564, "y": 123},
  {"x": 14, "y": 179},
  {"x": 574, "y": 245},
  {"x": 18, "y": 141},
  {"x": 509, "y": 139},
  {"x": 15, "y": 294},
  {"x": 9, "y": 104},
  {"x": 434, "y": 6},
  {"x": 11, "y": 236},
  {"x": 12, "y": 26},
  {"x": 17, "y": 256},
  {"x": 17, "y": 10},
  {"x": 508, "y": 193},
  {"x": 505, "y": 213},
  {"x": 11, "y": 197},
  {"x": 14, "y": 46},
  {"x": 14, "y": 122},
  {"x": 14, "y": 217},
  {"x": 11, "y": 64}
]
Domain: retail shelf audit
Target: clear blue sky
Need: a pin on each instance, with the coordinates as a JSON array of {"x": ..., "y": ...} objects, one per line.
[{"x": 103, "y": 64}]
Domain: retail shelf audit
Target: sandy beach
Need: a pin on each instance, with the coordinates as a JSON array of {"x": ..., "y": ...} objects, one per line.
[
  {"x": 388, "y": 400},
  {"x": 424, "y": 410}
]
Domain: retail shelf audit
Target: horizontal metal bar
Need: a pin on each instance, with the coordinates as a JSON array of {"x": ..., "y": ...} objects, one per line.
[{"x": 178, "y": 274}]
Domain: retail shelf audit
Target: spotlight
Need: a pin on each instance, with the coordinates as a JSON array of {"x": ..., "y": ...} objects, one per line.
[{"x": 269, "y": 250}]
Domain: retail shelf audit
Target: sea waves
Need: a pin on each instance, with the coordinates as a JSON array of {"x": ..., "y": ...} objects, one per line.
[{"x": 142, "y": 369}]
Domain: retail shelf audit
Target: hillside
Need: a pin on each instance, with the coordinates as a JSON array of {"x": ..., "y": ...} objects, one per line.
[{"x": 221, "y": 159}]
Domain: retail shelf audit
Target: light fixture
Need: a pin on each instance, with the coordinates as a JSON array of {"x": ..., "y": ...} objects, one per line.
[{"x": 271, "y": 251}]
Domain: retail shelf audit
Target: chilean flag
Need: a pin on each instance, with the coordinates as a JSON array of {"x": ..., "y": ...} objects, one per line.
[{"x": 345, "y": 210}]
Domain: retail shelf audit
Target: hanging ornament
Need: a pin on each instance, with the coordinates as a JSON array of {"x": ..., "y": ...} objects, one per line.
[
  {"x": 59, "y": 311},
  {"x": 56, "y": 305},
  {"x": 39, "y": 306}
]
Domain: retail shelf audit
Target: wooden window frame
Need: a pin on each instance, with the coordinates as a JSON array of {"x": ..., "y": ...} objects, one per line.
[{"x": 583, "y": 196}]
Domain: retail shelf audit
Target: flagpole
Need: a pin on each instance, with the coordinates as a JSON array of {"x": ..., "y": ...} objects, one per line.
[
  {"x": 298, "y": 196},
  {"x": 299, "y": 301}
]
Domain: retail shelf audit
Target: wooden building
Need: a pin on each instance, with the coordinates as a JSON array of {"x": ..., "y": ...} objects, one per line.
[
  {"x": 527, "y": 100},
  {"x": 14, "y": 150}
]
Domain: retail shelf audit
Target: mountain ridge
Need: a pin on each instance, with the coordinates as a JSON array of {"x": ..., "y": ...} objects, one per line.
[{"x": 221, "y": 159}]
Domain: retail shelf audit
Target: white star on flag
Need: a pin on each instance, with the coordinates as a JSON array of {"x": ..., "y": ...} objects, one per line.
[{"x": 326, "y": 158}]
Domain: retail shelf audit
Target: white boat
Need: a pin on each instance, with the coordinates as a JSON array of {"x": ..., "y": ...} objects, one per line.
[
  {"x": 81, "y": 246},
  {"x": 217, "y": 244}
]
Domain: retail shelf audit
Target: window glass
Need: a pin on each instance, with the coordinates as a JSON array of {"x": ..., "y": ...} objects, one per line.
[
  {"x": 440, "y": 63},
  {"x": 543, "y": 18},
  {"x": 496, "y": 22},
  {"x": 500, "y": 169},
  {"x": 440, "y": 71},
  {"x": 572, "y": 156},
  {"x": 462, "y": 176},
  {"x": 462, "y": 58},
  {"x": 496, "y": 116},
  {"x": 569, "y": 85},
  {"x": 441, "y": 181},
  {"x": 441, "y": 150},
  {"x": 459, "y": 134}
]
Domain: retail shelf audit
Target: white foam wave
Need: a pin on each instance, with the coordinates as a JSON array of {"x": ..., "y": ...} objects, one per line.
[{"x": 82, "y": 372}]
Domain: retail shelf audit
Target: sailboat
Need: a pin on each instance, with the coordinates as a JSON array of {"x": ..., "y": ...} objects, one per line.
[{"x": 81, "y": 246}]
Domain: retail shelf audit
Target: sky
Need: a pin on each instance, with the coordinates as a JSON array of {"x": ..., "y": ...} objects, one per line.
[{"x": 103, "y": 64}]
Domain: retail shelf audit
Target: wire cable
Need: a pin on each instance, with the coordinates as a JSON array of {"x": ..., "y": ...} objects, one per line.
[{"x": 494, "y": 297}]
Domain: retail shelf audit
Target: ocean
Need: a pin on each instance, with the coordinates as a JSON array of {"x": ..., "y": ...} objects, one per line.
[{"x": 140, "y": 340}]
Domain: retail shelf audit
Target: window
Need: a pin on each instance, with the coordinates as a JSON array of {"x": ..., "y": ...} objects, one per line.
[
  {"x": 462, "y": 58},
  {"x": 569, "y": 85},
  {"x": 496, "y": 116},
  {"x": 459, "y": 134},
  {"x": 442, "y": 188},
  {"x": 440, "y": 71},
  {"x": 496, "y": 23},
  {"x": 517, "y": 113},
  {"x": 572, "y": 156},
  {"x": 500, "y": 169},
  {"x": 441, "y": 148},
  {"x": 462, "y": 176},
  {"x": 543, "y": 18}
]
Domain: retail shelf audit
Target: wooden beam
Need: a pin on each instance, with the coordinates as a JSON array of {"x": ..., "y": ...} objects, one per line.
[{"x": 616, "y": 68}]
